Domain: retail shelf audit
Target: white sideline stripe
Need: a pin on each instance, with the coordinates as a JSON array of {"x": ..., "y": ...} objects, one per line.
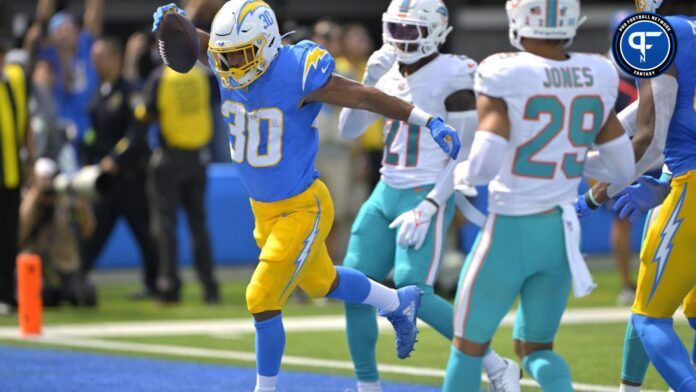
[
  {"x": 291, "y": 324},
  {"x": 250, "y": 357}
]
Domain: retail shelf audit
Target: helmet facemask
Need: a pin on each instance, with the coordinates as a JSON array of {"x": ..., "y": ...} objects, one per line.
[
  {"x": 415, "y": 28},
  {"x": 412, "y": 39},
  {"x": 239, "y": 66}
]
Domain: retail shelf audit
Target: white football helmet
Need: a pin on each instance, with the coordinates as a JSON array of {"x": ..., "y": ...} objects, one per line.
[
  {"x": 648, "y": 5},
  {"x": 543, "y": 19},
  {"x": 416, "y": 28},
  {"x": 244, "y": 40}
]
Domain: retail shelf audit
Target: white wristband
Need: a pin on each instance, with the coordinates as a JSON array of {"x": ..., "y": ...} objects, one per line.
[{"x": 419, "y": 117}]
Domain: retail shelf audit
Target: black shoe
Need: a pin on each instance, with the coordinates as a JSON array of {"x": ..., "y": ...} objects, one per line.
[
  {"x": 82, "y": 294},
  {"x": 171, "y": 297},
  {"x": 212, "y": 296}
]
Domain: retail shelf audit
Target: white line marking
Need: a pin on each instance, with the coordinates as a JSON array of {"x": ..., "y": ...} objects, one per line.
[
  {"x": 292, "y": 324},
  {"x": 193, "y": 352}
]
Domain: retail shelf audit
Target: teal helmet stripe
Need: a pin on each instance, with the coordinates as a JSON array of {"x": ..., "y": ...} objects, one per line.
[
  {"x": 404, "y": 5},
  {"x": 551, "y": 12}
]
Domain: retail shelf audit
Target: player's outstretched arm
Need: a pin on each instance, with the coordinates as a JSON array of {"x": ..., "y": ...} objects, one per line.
[
  {"x": 655, "y": 107},
  {"x": 353, "y": 123},
  {"x": 614, "y": 154},
  {"x": 344, "y": 92}
]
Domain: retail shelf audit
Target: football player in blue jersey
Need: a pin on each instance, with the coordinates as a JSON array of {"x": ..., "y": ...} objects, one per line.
[
  {"x": 665, "y": 123},
  {"x": 271, "y": 96}
]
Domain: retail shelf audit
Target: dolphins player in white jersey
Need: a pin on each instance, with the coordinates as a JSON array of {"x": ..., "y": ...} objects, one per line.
[
  {"x": 540, "y": 111},
  {"x": 402, "y": 226}
]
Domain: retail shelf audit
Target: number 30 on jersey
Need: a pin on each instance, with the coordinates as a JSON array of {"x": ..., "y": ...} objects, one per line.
[{"x": 257, "y": 136}]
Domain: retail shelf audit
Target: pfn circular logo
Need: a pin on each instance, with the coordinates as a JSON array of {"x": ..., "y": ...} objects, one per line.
[{"x": 644, "y": 45}]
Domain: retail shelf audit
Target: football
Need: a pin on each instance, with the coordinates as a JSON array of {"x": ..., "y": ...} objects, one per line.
[{"x": 178, "y": 43}]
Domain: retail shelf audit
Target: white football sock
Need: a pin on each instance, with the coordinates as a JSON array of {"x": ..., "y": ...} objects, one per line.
[
  {"x": 629, "y": 388},
  {"x": 369, "y": 386},
  {"x": 382, "y": 297},
  {"x": 265, "y": 384},
  {"x": 493, "y": 363}
]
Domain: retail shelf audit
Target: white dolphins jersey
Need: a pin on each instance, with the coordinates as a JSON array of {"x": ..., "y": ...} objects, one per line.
[
  {"x": 556, "y": 109},
  {"x": 411, "y": 156}
]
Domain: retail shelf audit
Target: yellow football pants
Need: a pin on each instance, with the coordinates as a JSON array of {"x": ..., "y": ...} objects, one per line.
[
  {"x": 689, "y": 305},
  {"x": 291, "y": 234},
  {"x": 667, "y": 275}
]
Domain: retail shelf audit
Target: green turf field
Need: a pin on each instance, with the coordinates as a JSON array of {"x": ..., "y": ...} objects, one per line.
[{"x": 593, "y": 351}]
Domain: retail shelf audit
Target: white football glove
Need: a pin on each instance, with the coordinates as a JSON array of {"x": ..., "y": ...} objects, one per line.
[
  {"x": 460, "y": 184},
  {"x": 414, "y": 225},
  {"x": 378, "y": 64}
]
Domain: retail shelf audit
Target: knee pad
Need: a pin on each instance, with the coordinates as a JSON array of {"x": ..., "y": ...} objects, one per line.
[
  {"x": 256, "y": 298},
  {"x": 317, "y": 290},
  {"x": 316, "y": 285}
]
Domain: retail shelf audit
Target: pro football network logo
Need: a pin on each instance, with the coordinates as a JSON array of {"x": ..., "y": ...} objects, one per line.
[{"x": 644, "y": 45}]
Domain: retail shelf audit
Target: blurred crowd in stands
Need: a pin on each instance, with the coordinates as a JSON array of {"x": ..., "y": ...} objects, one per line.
[{"x": 102, "y": 130}]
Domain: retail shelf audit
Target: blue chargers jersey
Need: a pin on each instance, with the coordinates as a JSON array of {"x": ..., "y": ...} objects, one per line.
[
  {"x": 680, "y": 149},
  {"x": 273, "y": 140}
]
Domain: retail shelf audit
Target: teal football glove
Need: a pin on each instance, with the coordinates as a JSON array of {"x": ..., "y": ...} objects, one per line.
[
  {"x": 647, "y": 193},
  {"x": 445, "y": 136},
  {"x": 158, "y": 16}
]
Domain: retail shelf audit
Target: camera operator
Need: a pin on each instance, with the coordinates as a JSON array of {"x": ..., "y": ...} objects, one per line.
[
  {"x": 120, "y": 150},
  {"x": 52, "y": 219}
]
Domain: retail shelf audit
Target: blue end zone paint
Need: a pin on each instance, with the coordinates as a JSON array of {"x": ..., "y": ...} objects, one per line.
[{"x": 30, "y": 369}]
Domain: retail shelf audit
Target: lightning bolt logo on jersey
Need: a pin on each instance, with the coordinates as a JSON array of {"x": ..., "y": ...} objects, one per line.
[
  {"x": 312, "y": 61},
  {"x": 667, "y": 272}
]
